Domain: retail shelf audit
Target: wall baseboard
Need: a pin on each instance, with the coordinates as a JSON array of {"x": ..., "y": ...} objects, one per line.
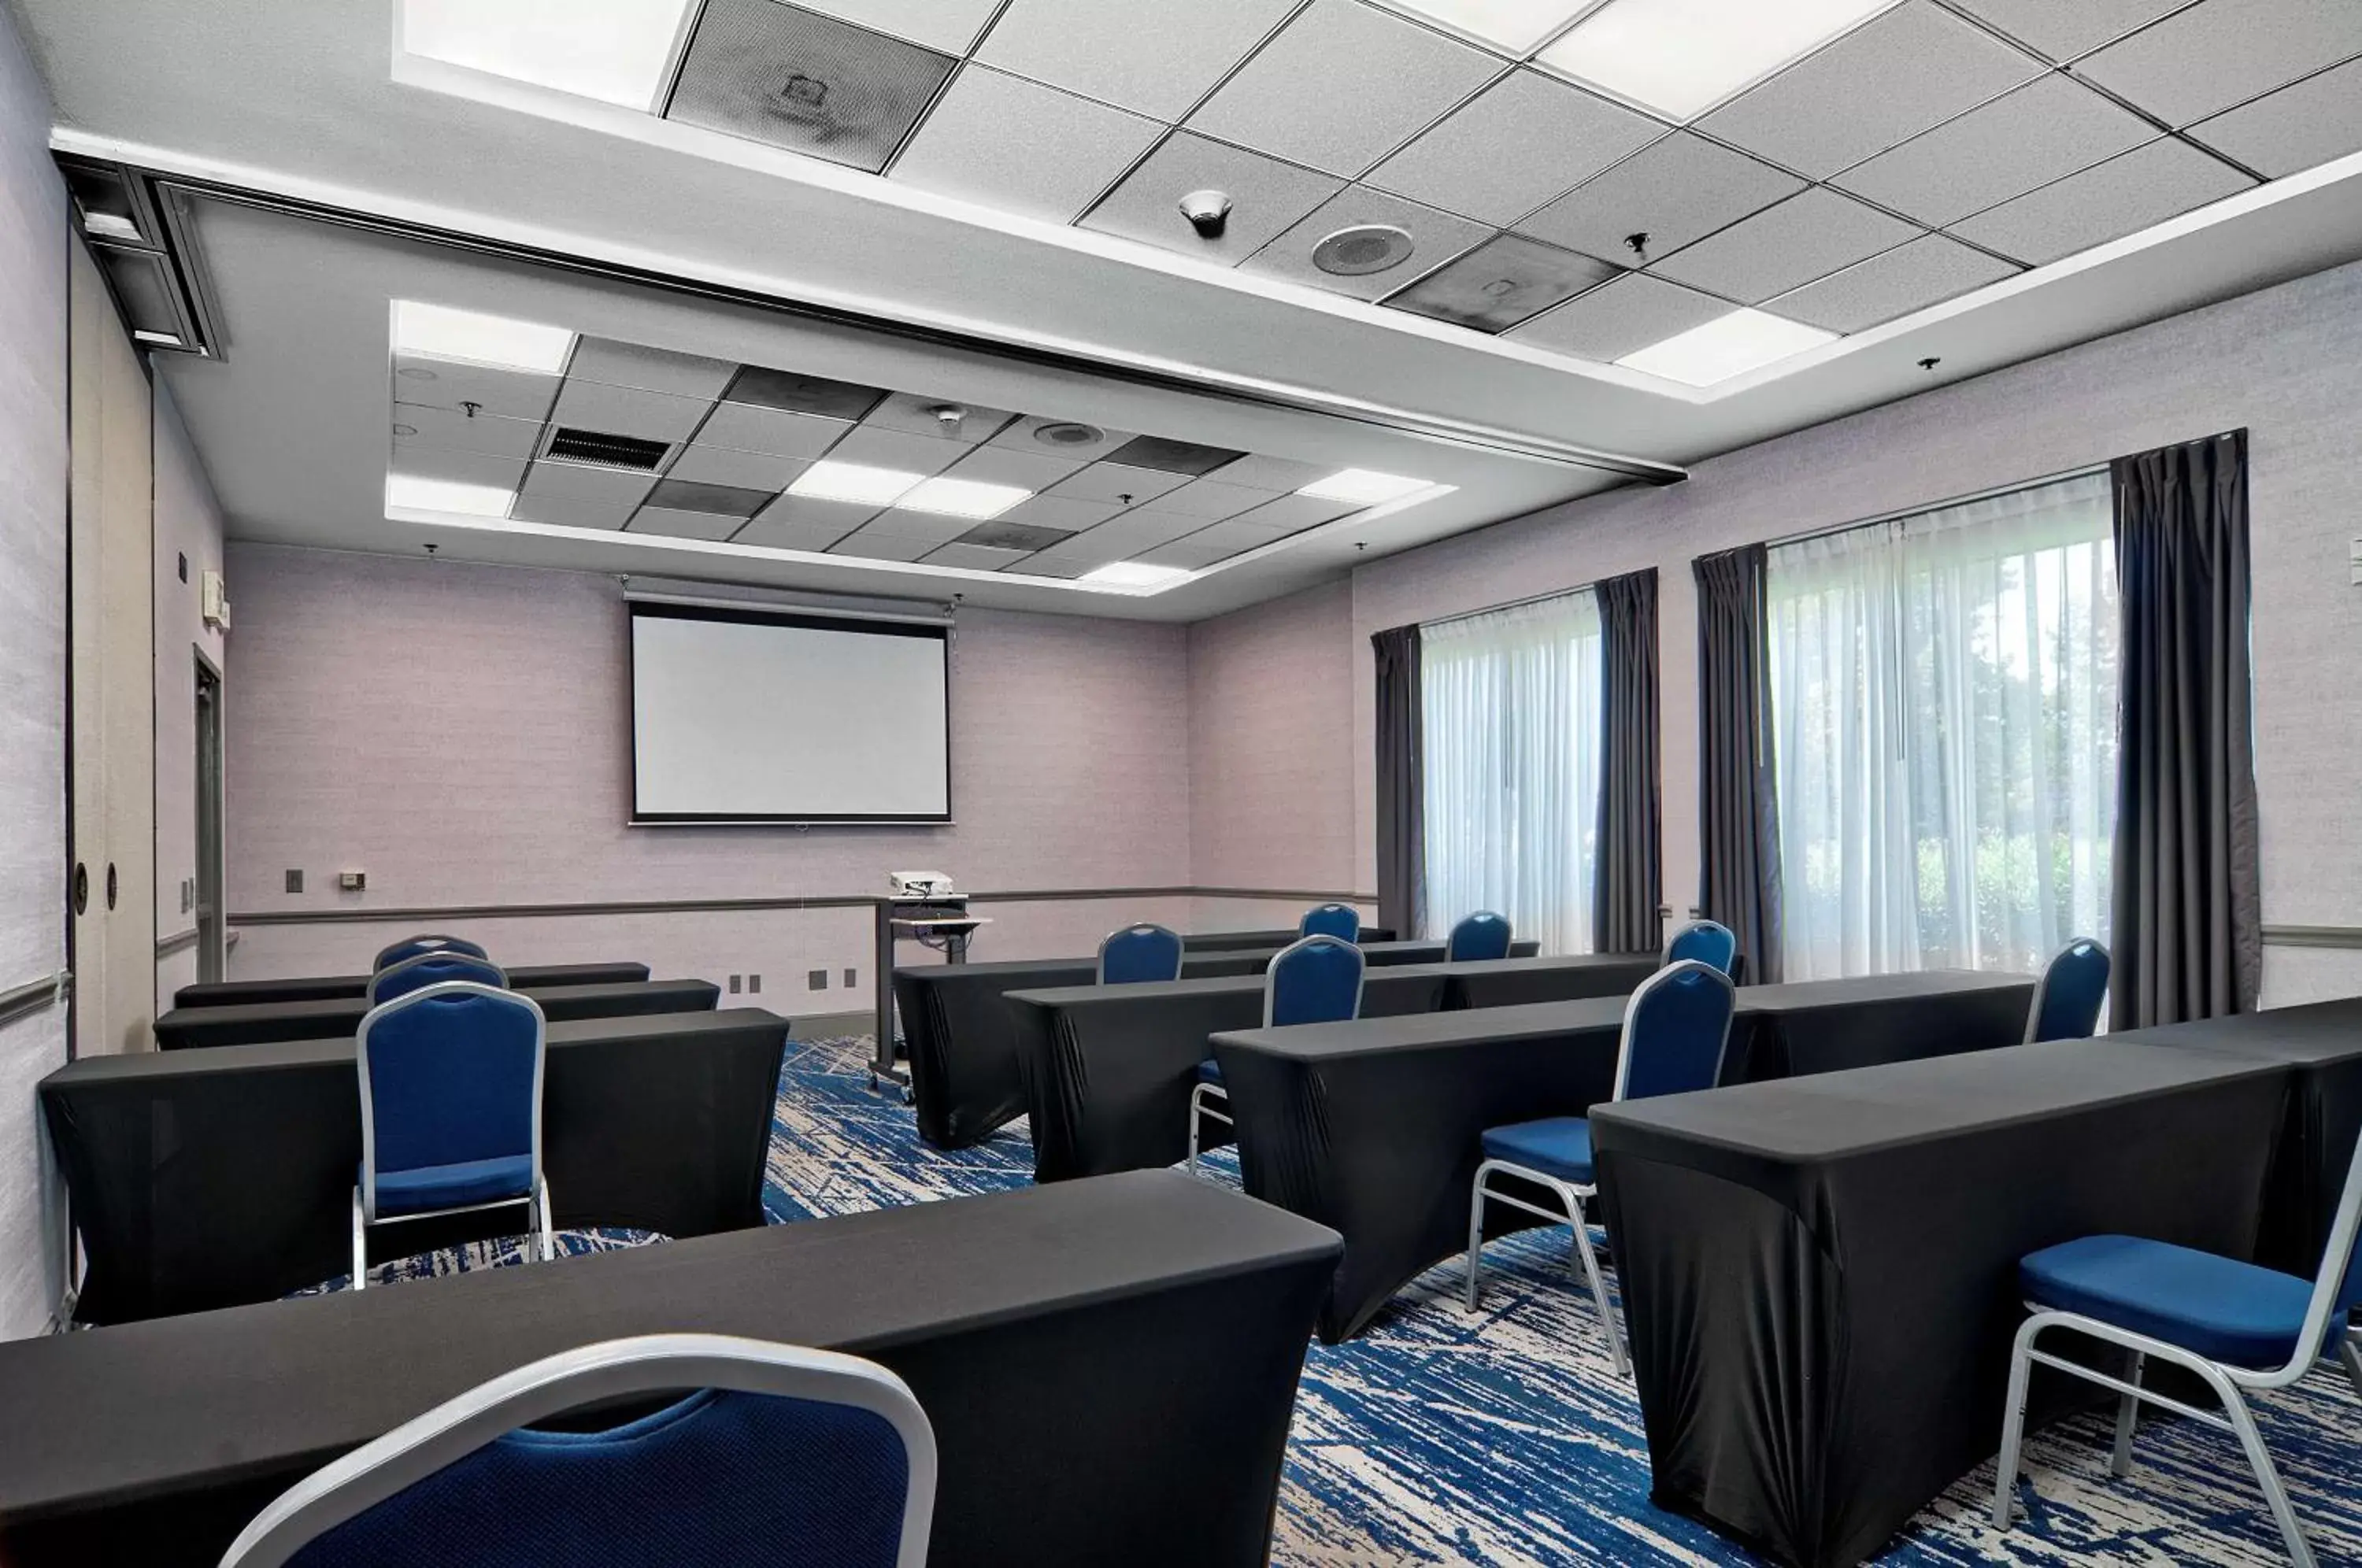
[
  {"x": 36, "y": 996},
  {"x": 702, "y": 906}
]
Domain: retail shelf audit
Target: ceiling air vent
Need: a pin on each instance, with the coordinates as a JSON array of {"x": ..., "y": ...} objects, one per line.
[
  {"x": 608, "y": 451},
  {"x": 1068, "y": 434}
]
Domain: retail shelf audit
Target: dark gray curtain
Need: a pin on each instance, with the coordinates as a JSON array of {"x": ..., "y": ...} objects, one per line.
[
  {"x": 1402, "y": 786},
  {"x": 1627, "y": 888},
  {"x": 2188, "y": 916},
  {"x": 1739, "y": 820}
]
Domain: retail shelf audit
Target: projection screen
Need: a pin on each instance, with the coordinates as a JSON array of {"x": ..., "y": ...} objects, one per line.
[{"x": 751, "y": 715}]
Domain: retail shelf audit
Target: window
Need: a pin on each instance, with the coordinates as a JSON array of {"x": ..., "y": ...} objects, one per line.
[
  {"x": 1944, "y": 724},
  {"x": 1509, "y": 706}
]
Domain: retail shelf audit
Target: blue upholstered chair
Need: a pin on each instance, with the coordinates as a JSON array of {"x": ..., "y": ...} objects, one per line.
[
  {"x": 2235, "y": 1325},
  {"x": 1481, "y": 935},
  {"x": 1317, "y": 980},
  {"x": 784, "y": 1457},
  {"x": 450, "y": 1110},
  {"x": 1675, "y": 1027},
  {"x": 412, "y": 946},
  {"x": 1138, "y": 953},
  {"x": 2073, "y": 990},
  {"x": 1330, "y": 919},
  {"x": 425, "y": 970},
  {"x": 1704, "y": 941}
]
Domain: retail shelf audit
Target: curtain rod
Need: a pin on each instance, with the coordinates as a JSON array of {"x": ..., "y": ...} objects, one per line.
[
  {"x": 1519, "y": 603},
  {"x": 1919, "y": 508}
]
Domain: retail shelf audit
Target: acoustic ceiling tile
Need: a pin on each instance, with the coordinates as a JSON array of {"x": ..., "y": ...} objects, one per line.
[
  {"x": 1134, "y": 531},
  {"x": 2047, "y": 128},
  {"x": 617, "y": 490},
  {"x": 1050, "y": 563},
  {"x": 650, "y": 369},
  {"x": 917, "y": 415},
  {"x": 976, "y": 558},
  {"x": 1621, "y": 315},
  {"x": 1183, "y": 553},
  {"x": 487, "y": 432},
  {"x": 627, "y": 411},
  {"x": 1675, "y": 191},
  {"x": 1061, "y": 437},
  {"x": 759, "y": 386},
  {"x": 1168, "y": 456},
  {"x": 1235, "y": 535},
  {"x": 1155, "y": 59},
  {"x": 450, "y": 384},
  {"x": 457, "y": 468},
  {"x": 2122, "y": 196},
  {"x": 2293, "y": 129},
  {"x": 1289, "y": 514},
  {"x": 1267, "y": 197},
  {"x": 2220, "y": 52},
  {"x": 1926, "y": 271},
  {"x": 1062, "y": 511},
  {"x": 1434, "y": 237},
  {"x": 725, "y": 465},
  {"x": 882, "y": 547},
  {"x": 1889, "y": 79},
  {"x": 1214, "y": 499},
  {"x": 570, "y": 512},
  {"x": 873, "y": 447},
  {"x": 806, "y": 514},
  {"x": 1340, "y": 85},
  {"x": 948, "y": 25},
  {"x": 778, "y": 533},
  {"x": 1117, "y": 482},
  {"x": 1023, "y": 538},
  {"x": 1270, "y": 473},
  {"x": 1500, "y": 283},
  {"x": 2064, "y": 31},
  {"x": 1807, "y": 236},
  {"x": 1018, "y": 146},
  {"x": 1513, "y": 146},
  {"x": 933, "y": 527},
  {"x": 772, "y": 432},
  {"x": 675, "y": 494},
  {"x": 685, "y": 524},
  {"x": 1011, "y": 465},
  {"x": 779, "y": 75}
]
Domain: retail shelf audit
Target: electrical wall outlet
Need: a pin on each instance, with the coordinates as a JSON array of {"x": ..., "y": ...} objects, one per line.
[
  {"x": 852, "y": 978},
  {"x": 753, "y": 984},
  {"x": 188, "y": 887},
  {"x": 733, "y": 985},
  {"x": 294, "y": 880},
  {"x": 353, "y": 881},
  {"x": 817, "y": 980}
]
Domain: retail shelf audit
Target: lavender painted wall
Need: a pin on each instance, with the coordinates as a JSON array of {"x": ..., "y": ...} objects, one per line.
[
  {"x": 2285, "y": 362},
  {"x": 462, "y": 733},
  {"x": 188, "y": 523}
]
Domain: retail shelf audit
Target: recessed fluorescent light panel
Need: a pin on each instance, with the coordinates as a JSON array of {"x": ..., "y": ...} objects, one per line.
[
  {"x": 613, "y": 51},
  {"x": 1680, "y": 58},
  {"x": 439, "y": 332},
  {"x": 962, "y": 498},
  {"x": 447, "y": 495},
  {"x": 1133, "y": 576},
  {"x": 1363, "y": 487},
  {"x": 1515, "y": 25},
  {"x": 852, "y": 481},
  {"x": 1725, "y": 346}
]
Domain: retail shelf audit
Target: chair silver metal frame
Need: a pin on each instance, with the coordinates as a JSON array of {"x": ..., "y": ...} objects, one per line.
[
  {"x": 1451, "y": 937},
  {"x": 617, "y": 1369},
  {"x": 441, "y": 939},
  {"x": 2042, "y": 984},
  {"x": 364, "y": 1212},
  {"x": 2223, "y": 1379},
  {"x": 1203, "y": 1094},
  {"x": 1569, "y": 1194},
  {"x": 1180, "y": 947},
  {"x": 441, "y": 955},
  {"x": 1665, "y": 954}
]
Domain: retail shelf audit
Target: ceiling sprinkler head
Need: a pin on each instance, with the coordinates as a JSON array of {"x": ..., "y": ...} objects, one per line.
[
  {"x": 1637, "y": 243},
  {"x": 1930, "y": 362},
  {"x": 1209, "y": 211}
]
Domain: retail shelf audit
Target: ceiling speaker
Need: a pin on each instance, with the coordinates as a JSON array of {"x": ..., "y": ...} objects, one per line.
[
  {"x": 1069, "y": 434},
  {"x": 1365, "y": 248}
]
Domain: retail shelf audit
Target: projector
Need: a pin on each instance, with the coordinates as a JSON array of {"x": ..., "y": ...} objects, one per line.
[{"x": 919, "y": 884}]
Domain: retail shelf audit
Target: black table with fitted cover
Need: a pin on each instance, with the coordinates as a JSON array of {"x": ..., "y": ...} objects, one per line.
[
  {"x": 1279, "y": 937},
  {"x": 216, "y": 1179},
  {"x": 1109, "y": 1366},
  {"x": 966, "y": 1080},
  {"x": 1373, "y": 1127},
  {"x": 1517, "y": 980},
  {"x": 258, "y": 1023},
  {"x": 341, "y": 987},
  {"x": 1804, "y": 1027},
  {"x": 1820, "y": 1274}
]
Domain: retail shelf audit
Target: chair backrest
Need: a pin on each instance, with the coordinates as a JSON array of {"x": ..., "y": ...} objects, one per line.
[
  {"x": 1139, "y": 954},
  {"x": 1704, "y": 941},
  {"x": 427, "y": 969},
  {"x": 449, "y": 1075},
  {"x": 412, "y": 946},
  {"x": 1315, "y": 980},
  {"x": 1675, "y": 1028},
  {"x": 1330, "y": 919},
  {"x": 2067, "y": 999},
  {"x": 784, "y": 1458},
  {"x": 1481, "y": 935}
]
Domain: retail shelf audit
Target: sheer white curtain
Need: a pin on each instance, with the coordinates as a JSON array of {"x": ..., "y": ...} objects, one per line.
[
  {"x": 1510, "y": 703},
  {"x": 1944, "y": 713}
]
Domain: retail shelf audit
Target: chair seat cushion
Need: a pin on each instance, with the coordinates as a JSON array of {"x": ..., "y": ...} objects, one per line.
[
  {"x": 454, "y": 1186},
  {"x": 2222, "y": 1309},
  {"x": 1210, "y": 1071},
  {"x": 1556, "y": 1145}
]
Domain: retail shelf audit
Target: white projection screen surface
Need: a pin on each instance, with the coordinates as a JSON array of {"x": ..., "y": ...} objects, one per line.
[{"x": 761, "y": 715}]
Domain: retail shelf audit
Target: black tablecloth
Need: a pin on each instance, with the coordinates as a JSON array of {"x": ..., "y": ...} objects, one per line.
[
  {"x": 338, "y": 987},
  {"x": 964, "y": 1077},
  {"x": 1215, "y": 941},
  {"x": 1516, "y": 980},
  {"x": 1824, "y": 1026},
  {"x": 214, "y": 1179},
  {"x": 1109, "y": 1367},
  {"x": 1819, "y": 1275},
  {"x": 258, "y": 1023}
]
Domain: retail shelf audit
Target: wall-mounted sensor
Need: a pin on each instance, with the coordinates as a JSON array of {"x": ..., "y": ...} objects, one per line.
[{"x": 1209, "y": 211}]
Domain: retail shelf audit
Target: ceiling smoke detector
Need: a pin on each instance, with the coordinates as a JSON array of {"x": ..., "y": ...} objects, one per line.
[
  {"x": 1066, "y": 433},
  {"x": 1209, "y": 211},
  {"x": 1365, "y": 248},
  {"x": 950, "y": 415}
]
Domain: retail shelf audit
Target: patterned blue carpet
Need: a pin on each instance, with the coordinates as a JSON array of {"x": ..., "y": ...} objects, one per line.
[{"x": 1504, "y": 1439}]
